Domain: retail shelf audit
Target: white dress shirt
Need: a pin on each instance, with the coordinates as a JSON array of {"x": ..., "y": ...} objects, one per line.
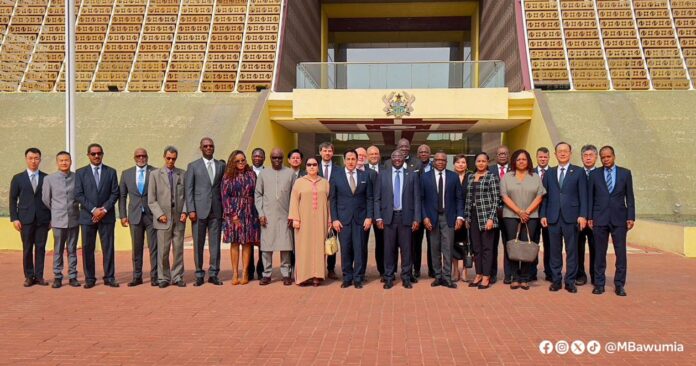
[{"x": 558, "y": 171}]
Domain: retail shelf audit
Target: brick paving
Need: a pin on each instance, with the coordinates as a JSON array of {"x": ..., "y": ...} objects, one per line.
[{"x": 329, "y": 325}]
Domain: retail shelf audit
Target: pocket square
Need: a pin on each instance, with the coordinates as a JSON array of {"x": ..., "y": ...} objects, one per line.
[{"x": 362, "y": 182}]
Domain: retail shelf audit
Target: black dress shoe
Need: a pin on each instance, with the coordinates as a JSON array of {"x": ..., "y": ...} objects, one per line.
[
  {"x": 435, "y": 283},
  {"x": 416, "y": 274},
  {"x": 215, "y": 281},
  {"x": 163, "y": 284},
  {"x": 581, "y": 280},
  {"x": 483, "y": 287},
  {"x": 358, "y": 284},
  {"x": 620, "y": 291},
  {"x": 287, "y": 281},
  {"x": 413, "y": 279},
  {"x": 154, "y": 283},
  {"x": 28, "y": 282},
  {"x": 507, "y": 280},
  {"x": 474, "y": 284},
  {"x": 40, "y": 282},
  {"x": 494, "y": 279},
  {"x": 135, "y": 282},
  {"x": 57, "y": 283},
  {"x": 88, "y": 285},
  {"x": 181, "y": 283},
  {"x": 199, "y": 282},
  {"x": 345, "y": 284},
  {"x": 598, "y": 290},
  {"x": 74, "y": 282},
  {"x": 332, "y": 275},
  {"x": 571, "y": 288},
  {"x": 407, "y": 284},
  {"x": 111, "y": 283},
  {"x": 555, "y": 287},
  {"x": 388, "y": 284},
  {"x": 265, "y": 281},
  {"x": 450, "y": 284}
]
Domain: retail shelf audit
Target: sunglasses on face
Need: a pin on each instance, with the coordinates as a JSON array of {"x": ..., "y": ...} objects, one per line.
[
  {"x": 208, "y": 146},
  {"x": 141, "y": 156},
  {"x": 170, "y": 159},
  {"x": 277, "y": 157},
  {"x": 240, "y": 161},
  {"x": 96, "y": 154},
  {"x": 312, "y": 164}
]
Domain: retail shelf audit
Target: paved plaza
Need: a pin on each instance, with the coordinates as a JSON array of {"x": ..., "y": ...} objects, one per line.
[{"x": 294, "y": 325}]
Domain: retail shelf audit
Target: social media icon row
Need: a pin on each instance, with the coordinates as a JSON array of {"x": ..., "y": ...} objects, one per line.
[{"x": 576, "y": 347}]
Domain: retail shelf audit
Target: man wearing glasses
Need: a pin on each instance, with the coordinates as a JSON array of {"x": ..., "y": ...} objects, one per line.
[
  {"x": 134, "y": 213},
  {"x": 203, "y": 178},
  {"x": 96, "y": 189}
]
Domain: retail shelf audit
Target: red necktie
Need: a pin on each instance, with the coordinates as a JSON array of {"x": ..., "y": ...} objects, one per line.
[{"x": 502, "y": 172}]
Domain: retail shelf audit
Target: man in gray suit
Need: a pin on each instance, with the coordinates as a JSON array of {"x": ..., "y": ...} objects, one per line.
[
  {"x": 137, "y": 215},
  {"x": 203, "y": 178},
  {"x": 58, "y": 194},
  {"x": 165, "y": 197}
]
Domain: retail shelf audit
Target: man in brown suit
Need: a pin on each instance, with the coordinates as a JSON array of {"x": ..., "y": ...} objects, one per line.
[{"x": 166, "y": 201}]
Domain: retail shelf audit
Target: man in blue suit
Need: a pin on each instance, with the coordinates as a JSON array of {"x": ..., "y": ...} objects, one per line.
[
  {"x": 502, "y": 159},
  {"x": 443, "y": 212},
  {"x": 31, "y": 217},
  {"x": 352, "y": 205},
  {"x": 397, "y": 212},
  {"x": 612, "y": 211},
  {"x": 564, "y": 211},
  {"x": 96, "y": 189}
]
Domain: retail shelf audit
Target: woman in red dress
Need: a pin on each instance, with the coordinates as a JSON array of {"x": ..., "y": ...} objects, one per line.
[{"x": 240, "y": 223}]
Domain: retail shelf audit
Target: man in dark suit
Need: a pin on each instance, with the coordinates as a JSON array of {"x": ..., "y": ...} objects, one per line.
[
  {"x": 589, "y": 158},
  {"x": 443, "y": 212},
  {"x": 374, "y": 164},
  {"x": 204, "y": 205},
  {"x": 542, "y": 158},
  {"x": 422, "y": 166},
  {"x": 96, "y": 189},
  {"x": 502, "y": 155},
  {"x": 258, "y": 158},
  {"x": 564, "y": 211},
  {"x": 352, "y": 205},
  {"x": 397, "y": 212},
  {"x": 134, "y": 213},
  {"x": 612, "y": 211},
  {"x": 379, "y": 242},
  {"x": 326, "y": 151},
  {"x": 30, "y": 217}
]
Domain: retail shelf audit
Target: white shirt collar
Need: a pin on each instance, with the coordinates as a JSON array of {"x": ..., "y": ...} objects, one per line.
[
  {"x": 96, "y": 166},
  {"x": 30, "y": 172},
  {"x": 348, "y": 171},
  {"x": 563, "y": 166},
  {"x": 206, "y": 161}
]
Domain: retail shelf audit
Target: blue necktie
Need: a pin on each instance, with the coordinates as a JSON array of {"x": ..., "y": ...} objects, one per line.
[
  {"x": 96, "y": 175},
  {"x": 610, "y": 180},
  {"x": 562, "y": 177},
  {"x": 141, "y": 181},
  {"x": 397, "y": 191}
]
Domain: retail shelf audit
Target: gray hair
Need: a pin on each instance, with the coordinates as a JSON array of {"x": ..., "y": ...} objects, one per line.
[
  {"x": 589, "y": 147},
  {"x": 170, "y": 149}
]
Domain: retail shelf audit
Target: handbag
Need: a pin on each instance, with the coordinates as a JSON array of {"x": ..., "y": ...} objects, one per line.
[
  {"x": 523, "y": 251},
  {"x": 331, "y": 243},
  {"x": 468, "y": 252}
]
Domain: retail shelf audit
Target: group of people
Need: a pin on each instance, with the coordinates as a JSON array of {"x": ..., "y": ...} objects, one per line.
[{"x": 291, "y": 210}]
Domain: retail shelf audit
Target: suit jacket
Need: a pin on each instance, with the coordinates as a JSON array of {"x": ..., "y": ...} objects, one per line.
[
  {"x": 410, "y": 198},
  {"x": 58, "y": 194},
  {"x": 346, "y": 206},
  {"x": 565, "y": 203},
  {"x": 454, "y": 197},
  {"x": 90, "y": 196},
  {"x": 333, "y": 168},
  {"x": 25, "y": 204},
  {"x": 202, "y": 196},
  {"x": 159, "y": 197},
  {"x": 129, "y": 193},
  {"x": 613, "y": 208}
]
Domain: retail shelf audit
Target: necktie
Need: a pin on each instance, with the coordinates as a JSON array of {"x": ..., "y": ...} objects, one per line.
[
  {"x": 211, "y": 175},
  {"x": 543, "y": 173},
  {"x": 587, "y": 172},
  {"x": 34, "y": 182},
  {"x": 351, "y": 181},
  {"x": 397, "y": 191},
  {"x": 440, "y": 194},
  {"x": 562, "y": 178},
  {"x": 96, "y": 175},
  {"x": 172, "y": 188},
  {"x": 610, "y": 180},
  {"x": 502, "y": 172},
  {"x": 141, "y": 181},
  {"x": 326, "y": 171}
]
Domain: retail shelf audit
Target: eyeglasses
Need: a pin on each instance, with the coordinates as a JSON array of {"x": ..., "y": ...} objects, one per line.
[
  {"x": 170, "y": 159},
  {"x": 240, "y": 161},
  {"x": 140, "y": 156},
  {"x": 502, "y": 154},
  {"x": 440, "y": 159},
  {"x": 312, "y": 164},
  {"x": 208, "y": 146},
  {"x": 96, "y": 154}
]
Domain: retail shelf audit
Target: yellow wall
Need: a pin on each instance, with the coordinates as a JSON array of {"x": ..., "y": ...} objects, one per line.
[
  {"x": 530, "y": 135},
  {"x": 690, "y": 242},
  {"x": 489, "y": 103},
  {"x": 268, "y": 135}
]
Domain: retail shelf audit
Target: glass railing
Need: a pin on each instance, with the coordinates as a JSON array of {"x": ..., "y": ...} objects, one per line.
[{"x": 409, "y": 75}]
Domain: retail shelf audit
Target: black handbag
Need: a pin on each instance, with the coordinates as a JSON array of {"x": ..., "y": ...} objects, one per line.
[
  {"x": 469, "y": 253},
  {"x": 523, "y": 251}
]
